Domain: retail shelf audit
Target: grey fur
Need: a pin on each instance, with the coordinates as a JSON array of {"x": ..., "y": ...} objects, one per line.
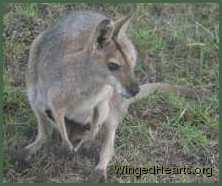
[{"x": 68, "y": 76}]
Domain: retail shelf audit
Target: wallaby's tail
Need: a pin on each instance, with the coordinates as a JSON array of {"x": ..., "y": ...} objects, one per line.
[{"x": 149, "y": 88}]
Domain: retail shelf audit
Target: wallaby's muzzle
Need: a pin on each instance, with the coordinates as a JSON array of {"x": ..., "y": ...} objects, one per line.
[{"x": 133, "y": 89}]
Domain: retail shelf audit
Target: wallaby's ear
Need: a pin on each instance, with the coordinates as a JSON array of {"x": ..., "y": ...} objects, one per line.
[
  {"x": 103, "y": 33},
  {"x": 121, "y": 26}
]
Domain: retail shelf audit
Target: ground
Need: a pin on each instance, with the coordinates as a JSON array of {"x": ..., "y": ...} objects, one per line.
[{"x": 176, "y": 43}]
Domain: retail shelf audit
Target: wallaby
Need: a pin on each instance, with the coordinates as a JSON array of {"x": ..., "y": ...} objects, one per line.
[{"x": 82, "y": 69}]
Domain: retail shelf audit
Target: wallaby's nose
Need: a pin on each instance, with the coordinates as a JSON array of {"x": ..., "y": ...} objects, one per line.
[{"x": 134, "y": 90}]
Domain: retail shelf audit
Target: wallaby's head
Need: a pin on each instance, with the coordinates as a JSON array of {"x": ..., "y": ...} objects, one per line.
[{"x": 119, "y": 54}]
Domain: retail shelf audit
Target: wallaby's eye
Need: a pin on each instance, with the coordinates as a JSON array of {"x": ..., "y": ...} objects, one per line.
[{"x": 113, "y": 66}]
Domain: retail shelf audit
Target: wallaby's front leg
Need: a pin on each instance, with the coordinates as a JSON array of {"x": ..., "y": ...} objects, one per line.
[{"x": 101, "y": 114}]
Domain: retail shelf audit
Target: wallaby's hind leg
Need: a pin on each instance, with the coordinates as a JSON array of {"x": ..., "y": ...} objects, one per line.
[
  {"x": 42, "y": 132},
  {"x": 108, "y": 145},
  {"x": 57, "y": 107},
  {"x": 100, "y": 172}
]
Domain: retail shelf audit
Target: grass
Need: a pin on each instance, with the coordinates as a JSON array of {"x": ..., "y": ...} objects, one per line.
[
  {"x": 147, "y": 39},
  {"x": 184, "y": 128},
  {"x": 27, "y": 10},
  {"x": 189, "y": 119},
  {"x": 177, "y": 44}
]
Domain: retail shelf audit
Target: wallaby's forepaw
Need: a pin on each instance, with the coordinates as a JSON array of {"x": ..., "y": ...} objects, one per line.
[
  {"x": 79, "y": 145},
  {"x": 82, "y": 141}
]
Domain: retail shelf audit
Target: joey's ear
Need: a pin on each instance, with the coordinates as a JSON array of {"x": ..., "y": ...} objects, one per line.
[
  {"x": 103, "y": 33},
  {"x": 121, "y": 26}
]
